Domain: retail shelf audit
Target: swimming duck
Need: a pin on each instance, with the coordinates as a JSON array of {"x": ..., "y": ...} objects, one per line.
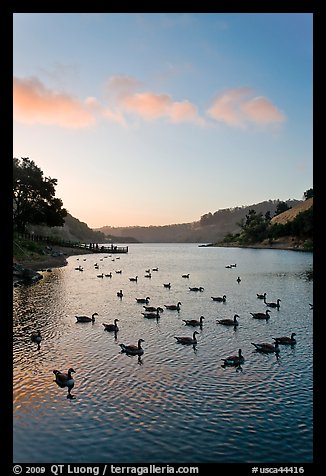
[
  {"x": 100, "y": 275},
  {"x": 153, "y": 314},
  {"x": 197, "y": 289},
  {"x": 86, "y": 318},
  {"x": 133, "y": 349},
  {"x": 261, "y": 315},
  {"x": 108, "y": 275},
  {"x": 286, "y": 340},
  {"x": 266, "y": 347},
  {"x": 167, "y": 285},
  {"x": 187, "y": 339},
  {"x": 234, "y": 360},
  {"x": 65, "y": 380},
  {"x": 186, "y": 275},
  {"x": 173, "y": 307},
  {"x": 229, "y": 322},
  {"x": 120, "y": 293},
  {"x": 194, "y": 322},
  {"x": 238, "y": 279},
  {"x": 143, "y": 300},
  {"x": 134, "y": 279},
  {"x": 273, "y": 304},
  {"x": 147, "y": 275},
  {"x": 219, "y": 299},
  {"x": 261, "y": 296},
  {"x": 154, "y": 269},
  {"x": 111, "y": 327},
  {"x": 36, "y": 337},
  {"x": 152, "y": 308}
]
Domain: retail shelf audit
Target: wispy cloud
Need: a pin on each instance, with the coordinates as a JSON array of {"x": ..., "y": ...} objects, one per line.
[
  {"x": 239, "y": 106},
  {"x": 124, "y": 101},
  {"x": 33, "y": 103}
]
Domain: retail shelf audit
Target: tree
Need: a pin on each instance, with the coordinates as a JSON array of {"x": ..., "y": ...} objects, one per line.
[
  {"x": 281, "y": 207},
  {"x": 34, "y": 199},
  {"x": 308, "y": 193}
]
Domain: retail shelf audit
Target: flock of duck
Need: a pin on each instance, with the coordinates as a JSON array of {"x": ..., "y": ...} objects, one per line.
[{"x": 66, "y": 380}]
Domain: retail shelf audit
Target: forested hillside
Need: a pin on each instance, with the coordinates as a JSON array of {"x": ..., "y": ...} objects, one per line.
[{"x": 211, "y": 227}]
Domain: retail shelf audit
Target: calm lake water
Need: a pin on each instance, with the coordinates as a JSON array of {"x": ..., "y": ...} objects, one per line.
[{"x": 176, "y": 404}]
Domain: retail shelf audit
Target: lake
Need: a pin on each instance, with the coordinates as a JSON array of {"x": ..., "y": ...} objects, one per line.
[{"x": 176, "y": 403}]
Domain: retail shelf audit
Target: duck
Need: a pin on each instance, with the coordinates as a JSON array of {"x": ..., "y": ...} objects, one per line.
[
  {"x": 286, "y": 340},
  {"x": 173, "y": 307},
  {"x": 261, "y": 315},
  {"x": 108, "y": 275},
  {"x": 273, "y": 304},
  {"x": 111, "y": 327},
  {"x": 152, "y": 308},
  {"x": 134, "y": 279},
  {"x": 154, "y": 269},
  {"x": 167, "y": 285},
  {"x": 86, "y": 318},
  {"x": 147, "y": 275},
  {"x": 36, "y": 337},
  {"x": 65, "y": 380},
  {"x": 261, "y": 296},
  {"x": 187, "y": 340},
  {"x": 143, "y": 300},
  {"x": 120, "y": 293},
  {"x": 219, "y": 299},
  {"x": 100, "y": 275},
  {"x": 229, "y": 322},
  {"x": 194, "y": 322},
  {"x": 266, "y": 347},
  {"x": 238, "y": 279},
  {"x": 153, "y": 314},
  {"x": 234, "y": 360},
  {"x": 133, "y": 349},
  {"x": 197, "y": 289},
  {"x": 185, "y": 275}
]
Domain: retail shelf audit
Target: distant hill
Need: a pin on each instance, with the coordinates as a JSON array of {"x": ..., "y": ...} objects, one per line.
[
  {"x": 211, "y": 228},
  {"x": 290, "y": 215},
  {"x": 76, "y": 230}
]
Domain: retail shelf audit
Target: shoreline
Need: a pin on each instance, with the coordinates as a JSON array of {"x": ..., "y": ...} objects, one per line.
[{"x": 41, "y": 262}]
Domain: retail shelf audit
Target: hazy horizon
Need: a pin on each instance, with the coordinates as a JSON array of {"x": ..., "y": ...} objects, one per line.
[{"x": 153, "y": 119}]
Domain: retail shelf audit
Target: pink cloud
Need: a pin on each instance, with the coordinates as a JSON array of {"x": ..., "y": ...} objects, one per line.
[
  {"x": 236, "y": 109},
  {"x": 262, "y": 111},
  {"x": 147, "y": 105},
  {"x": 183, "y": 111},
  {"x": 33, "y": 103}
]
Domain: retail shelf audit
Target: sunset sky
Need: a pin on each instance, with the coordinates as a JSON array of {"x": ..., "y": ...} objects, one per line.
[{"x": 155, "y": 119}]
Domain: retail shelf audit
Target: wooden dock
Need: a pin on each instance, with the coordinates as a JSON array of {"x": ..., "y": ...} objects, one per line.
[{"x": 96, "y": 248}]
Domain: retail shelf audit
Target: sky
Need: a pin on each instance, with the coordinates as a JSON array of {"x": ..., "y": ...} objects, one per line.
[{"x": 159, "y": 118}]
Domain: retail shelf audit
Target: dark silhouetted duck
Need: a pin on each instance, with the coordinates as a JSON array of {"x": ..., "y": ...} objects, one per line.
[
  {"x": 261, "y": 296},
  {"x": 120, "y": 293},
  {"x": 86, "y": 318},
  {"x": 152, "y": 308},
  {"x": 100, "y": 275},
  {"x": 273, "y": 304},
  {"x": 197, "y": 289},
  {"x": 154, "y": 269},
  {"x": 143, "y": 300},
  {"x": 286, "y": 340},
  {"x": 187, "y": 340},
  {"x": 238, "y": 279},
  {"x": 111, "y": 327},
  {"x": 229, "y": 322},
  {"x": 134, "y": 279},
  {"x": 36, "y": 337},
  {"x": 234, "y": 360},
  {"x": 153, "y": 314},
  {"x": 167, "y": 285},
  {"x": 65, "y": 380},
  {"x": 108, "y": 275},
  {"x": 261, "y": 315},
  {"x": 194, "y": 322},
  {"x": 219, "y": 299},
  {"x": 186, "y": 275},
  {"x": 133, "y": 349},
  {"x": 266, "y": 347},
  {"x": 173, "y": 307}
]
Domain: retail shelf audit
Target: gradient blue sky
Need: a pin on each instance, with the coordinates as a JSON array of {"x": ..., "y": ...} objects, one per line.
[{"x": 155, "y": 119}]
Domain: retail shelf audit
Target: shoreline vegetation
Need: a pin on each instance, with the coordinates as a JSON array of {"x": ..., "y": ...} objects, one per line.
[{"x": 285, "y": 243}]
